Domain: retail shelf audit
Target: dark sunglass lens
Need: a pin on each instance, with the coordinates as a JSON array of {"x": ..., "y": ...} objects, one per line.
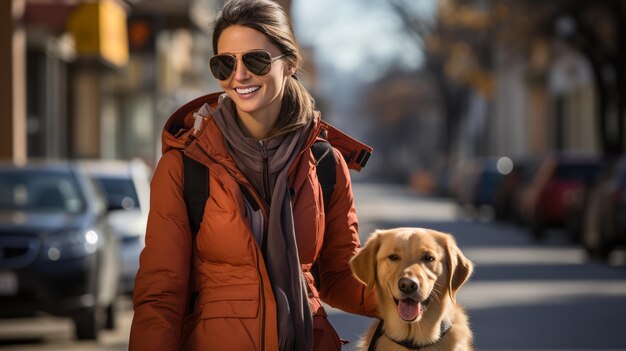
[
  {"x": 222, "y": 66},
  {"x": 257, "y": 62}
]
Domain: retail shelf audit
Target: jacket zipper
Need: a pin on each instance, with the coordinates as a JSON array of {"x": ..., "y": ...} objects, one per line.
[
  {"x": 266, "y": 172},
  {"x": 265, "y": 228},
  {"x": 267, "y": 195},
  {"x": 259, "y": 201}
]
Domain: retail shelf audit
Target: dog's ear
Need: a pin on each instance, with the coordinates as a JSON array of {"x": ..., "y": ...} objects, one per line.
[
  {"x": 363, "y": 264},
  {"x": 460, "y": 268}
]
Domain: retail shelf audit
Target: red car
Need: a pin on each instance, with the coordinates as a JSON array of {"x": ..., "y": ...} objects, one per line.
[{"x": 559, "y": 177}]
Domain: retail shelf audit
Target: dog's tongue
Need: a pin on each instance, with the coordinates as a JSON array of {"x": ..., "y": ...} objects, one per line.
[{"x": 409, "y": 309}]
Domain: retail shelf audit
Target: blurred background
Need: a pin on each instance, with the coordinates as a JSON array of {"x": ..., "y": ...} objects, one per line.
[{"x": 502, "y": 122}]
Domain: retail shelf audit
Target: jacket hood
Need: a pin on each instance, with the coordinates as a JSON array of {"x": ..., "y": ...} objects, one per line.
[
  {"x": 178, "y": 133},
  {"x": 178, "y": 128}
]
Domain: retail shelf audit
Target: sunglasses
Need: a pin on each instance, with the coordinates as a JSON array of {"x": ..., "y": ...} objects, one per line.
[{"x": 258, "y": 62}]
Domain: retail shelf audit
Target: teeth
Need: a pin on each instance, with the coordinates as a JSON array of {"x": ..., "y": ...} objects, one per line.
[{"x": 247, "y": 90}]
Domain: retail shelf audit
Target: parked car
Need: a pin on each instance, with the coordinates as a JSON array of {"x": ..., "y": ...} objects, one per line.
[
  {"x": 604, "y": 215},
  {"x": 544, "y": 201},
  {"x": 507, "y": 194},
  {"x": 126, "y": 185},
  {"x": 477, "y": 183},
  {"x": 57, "y": 252},
  {"x": 487, "y": 180}
]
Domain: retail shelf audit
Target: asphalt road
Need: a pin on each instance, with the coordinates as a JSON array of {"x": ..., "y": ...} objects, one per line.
[{"x": 523, "y": 295}]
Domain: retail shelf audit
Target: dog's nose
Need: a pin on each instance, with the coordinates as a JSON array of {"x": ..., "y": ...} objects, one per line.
[{"x": 407, "y": 285}]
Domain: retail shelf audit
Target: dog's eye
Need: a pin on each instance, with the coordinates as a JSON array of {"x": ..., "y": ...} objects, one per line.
[
  {"x": 428, "y": 258},
  {"x": 394, "y": 257}
]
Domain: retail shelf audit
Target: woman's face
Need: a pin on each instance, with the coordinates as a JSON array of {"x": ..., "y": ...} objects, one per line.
[{"x": 258, "y": 96}]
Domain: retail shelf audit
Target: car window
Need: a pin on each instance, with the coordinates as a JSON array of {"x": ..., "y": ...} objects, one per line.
[
  {"x": 120, "y": 192},
  {"x": 48, "y": 191},
  {"x": 586, "y": 173}
]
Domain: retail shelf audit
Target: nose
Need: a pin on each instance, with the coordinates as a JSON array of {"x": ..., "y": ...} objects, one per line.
[
  {"x": 241, "y": 72},
  {"x": 408, "y": 285}
]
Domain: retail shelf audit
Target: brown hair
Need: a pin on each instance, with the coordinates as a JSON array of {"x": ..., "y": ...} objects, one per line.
[{"x": 269, "y": 18}]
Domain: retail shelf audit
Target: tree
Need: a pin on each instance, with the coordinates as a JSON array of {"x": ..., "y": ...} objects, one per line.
[
  {"x": 600, "y": 34},
  {"x": 459, "y": 46},
  {"x": 456, "y": 49}
]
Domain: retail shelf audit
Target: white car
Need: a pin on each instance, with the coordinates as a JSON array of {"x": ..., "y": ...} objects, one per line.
[{"x": 126, "y": 185}]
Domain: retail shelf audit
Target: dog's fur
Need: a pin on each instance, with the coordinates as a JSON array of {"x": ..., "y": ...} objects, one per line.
[{"x": 434, "y": 262}]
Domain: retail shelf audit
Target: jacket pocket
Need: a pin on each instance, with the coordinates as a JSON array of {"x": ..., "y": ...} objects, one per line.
[
  {"x": 232, "y": 301},
  {"x": 228, "y": 318}
]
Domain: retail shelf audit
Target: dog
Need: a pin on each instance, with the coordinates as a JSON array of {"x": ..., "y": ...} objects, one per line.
[{"x": 416, "y": 274}]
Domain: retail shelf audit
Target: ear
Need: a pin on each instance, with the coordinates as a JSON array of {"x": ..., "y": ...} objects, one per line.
[
  {"x": 290, "y": 69},
  {"x": 363, "y": 264},
  {"x": 460, "y": 268}
]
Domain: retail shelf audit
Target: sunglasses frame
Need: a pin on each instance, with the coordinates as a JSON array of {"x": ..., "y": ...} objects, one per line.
[{"x": 243, "y": 61}]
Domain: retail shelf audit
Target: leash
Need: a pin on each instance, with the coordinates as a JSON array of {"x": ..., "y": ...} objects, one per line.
[
  {"x": 443, "y": 329},
  {"x": 376, "y": 336}
]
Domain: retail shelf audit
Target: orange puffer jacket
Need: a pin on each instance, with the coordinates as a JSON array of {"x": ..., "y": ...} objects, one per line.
[{"x": 235, "y": 307}]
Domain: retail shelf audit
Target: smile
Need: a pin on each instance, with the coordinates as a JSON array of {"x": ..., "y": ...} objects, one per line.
[{"x": 247, "y": 90}]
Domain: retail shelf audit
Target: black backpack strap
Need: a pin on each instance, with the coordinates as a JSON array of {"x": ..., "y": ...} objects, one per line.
[
  {"x": 325, "y": 158},
  {"x": 195, "y": 191},
  {"x": 326, "y": 174}
]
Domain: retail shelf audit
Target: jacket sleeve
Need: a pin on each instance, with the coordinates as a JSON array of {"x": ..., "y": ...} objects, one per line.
[
  {"x": 162, "y": 282},
  {"x": 339, "y": 288}
]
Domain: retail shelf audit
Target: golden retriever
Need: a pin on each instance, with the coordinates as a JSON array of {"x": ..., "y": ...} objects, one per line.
[{"x": 415, "y": 274}]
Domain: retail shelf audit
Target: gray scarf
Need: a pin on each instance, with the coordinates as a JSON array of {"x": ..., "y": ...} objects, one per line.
[{"x": 295, "y": 324}]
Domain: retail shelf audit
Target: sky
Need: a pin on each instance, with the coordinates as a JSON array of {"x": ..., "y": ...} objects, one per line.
[{"x": 360, "y": 38}]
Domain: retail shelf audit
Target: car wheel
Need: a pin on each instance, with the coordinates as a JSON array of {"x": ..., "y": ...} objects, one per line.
[
  {"x": 538, "y": 231},
  {"x": 110, "y": 313},
  {"x": 600, "y": 253},
  {"x": 574, "y": 223},
  {"x": 574, "y": 236},
  {"x": 87, "y": 324},
  {"x": 596, "y": 245}
]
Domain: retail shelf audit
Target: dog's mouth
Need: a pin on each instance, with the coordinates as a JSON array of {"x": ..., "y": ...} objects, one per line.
[{"x": 410, "y": 309}]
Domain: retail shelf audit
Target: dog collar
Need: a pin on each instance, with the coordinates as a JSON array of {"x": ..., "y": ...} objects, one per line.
[{"x": 443, "y": 329}]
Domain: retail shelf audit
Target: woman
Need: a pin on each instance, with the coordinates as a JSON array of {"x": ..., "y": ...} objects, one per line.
[{"x": 264, "y": 224}]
